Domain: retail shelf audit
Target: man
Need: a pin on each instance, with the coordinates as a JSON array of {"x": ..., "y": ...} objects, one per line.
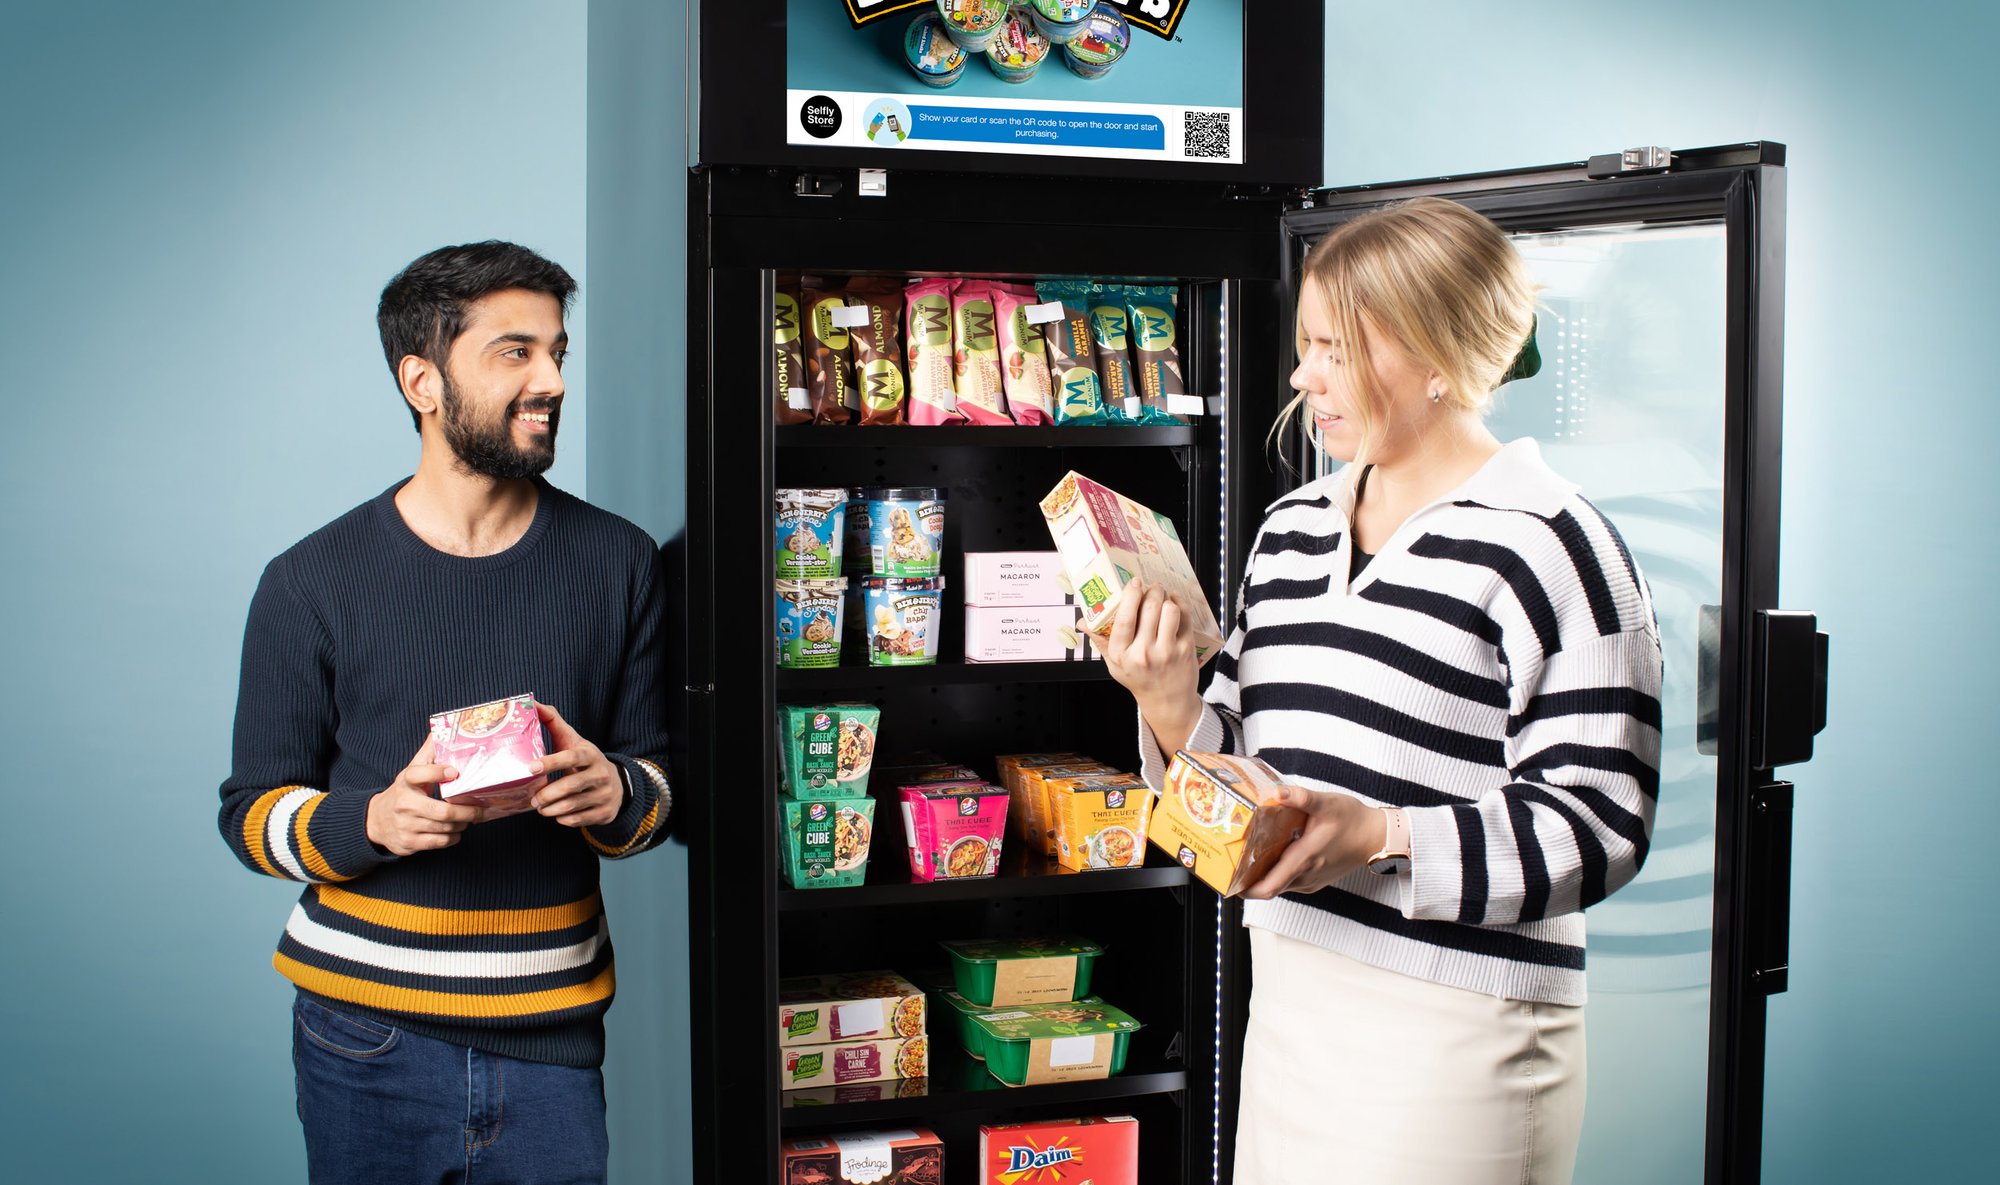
[{"x": 453, "y": 966}]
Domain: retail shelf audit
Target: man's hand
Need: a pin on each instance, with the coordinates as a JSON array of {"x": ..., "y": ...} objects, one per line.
[
  {"x": 407, "y": 817},
  {"x": 585, "y": 789}
]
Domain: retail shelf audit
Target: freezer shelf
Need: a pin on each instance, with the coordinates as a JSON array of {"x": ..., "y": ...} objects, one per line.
[
  {"x": 944, "y": 672},
  {"x": 959, "y": 436},
  {"x": 958, "y": 1083},
  {"x": 889, "y": 883}
]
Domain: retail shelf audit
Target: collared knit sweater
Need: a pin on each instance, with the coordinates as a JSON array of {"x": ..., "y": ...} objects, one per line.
[
  {"x": 355, "y": 637},
  {"x": 1495, "y": 671}
]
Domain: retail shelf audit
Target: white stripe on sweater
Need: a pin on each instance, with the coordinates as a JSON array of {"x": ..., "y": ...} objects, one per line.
[
  {"x": 453, "y": 964},
  {"x": 278, "y": 832}
]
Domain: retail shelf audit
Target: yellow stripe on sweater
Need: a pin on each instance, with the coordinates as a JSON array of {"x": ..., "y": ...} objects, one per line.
[
  {"x": 308, "y": 854},
  {"x": 253, "y": 829},
  {"x": 390, "y": 998},
  {"x": 645, "y": 829},
  {"x": 423, "y": 919}
]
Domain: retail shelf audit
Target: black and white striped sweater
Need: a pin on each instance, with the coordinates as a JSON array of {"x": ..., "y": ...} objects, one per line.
[{"x": 1495, "y": 671}]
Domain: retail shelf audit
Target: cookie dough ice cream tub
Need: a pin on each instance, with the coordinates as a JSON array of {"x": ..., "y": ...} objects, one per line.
[
  {"x": 1018, "y": 51},
  {"x": 1061, "y": 20},
  {"x": 973, "y": 24},
  {"x": 811, "y": 533},
  {"x": 903, "y": 616},
  {"x": 808, "y": 622},
  {"x": 1100, "y": 45},
  {"x": 933, "y": 56},
  {"x": 906, "y": 530}
]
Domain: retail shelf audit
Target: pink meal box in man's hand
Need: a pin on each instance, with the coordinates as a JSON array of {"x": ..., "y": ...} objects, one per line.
[{"x": 493, "y": 746}]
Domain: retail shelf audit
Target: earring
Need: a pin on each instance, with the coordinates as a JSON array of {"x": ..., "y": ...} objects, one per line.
[{"x": 1436, "y": 395}]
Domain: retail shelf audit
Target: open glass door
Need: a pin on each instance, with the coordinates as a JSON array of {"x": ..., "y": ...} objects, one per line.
[{"x": 1660, "y": 327}]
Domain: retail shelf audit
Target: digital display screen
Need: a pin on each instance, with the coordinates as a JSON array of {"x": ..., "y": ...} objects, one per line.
[{"x": 1138, "y": 80}]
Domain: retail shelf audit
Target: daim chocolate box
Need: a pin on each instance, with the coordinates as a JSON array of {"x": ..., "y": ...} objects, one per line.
[
  {"x": 911, "y": 1156},
  {"x": 1102, "y": 1151}
]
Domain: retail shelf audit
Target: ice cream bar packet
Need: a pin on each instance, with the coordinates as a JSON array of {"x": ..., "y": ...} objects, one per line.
[
  {"x": 878, "y": 350},
  {"x": 928, "y": 349},
  {"x": 1024, "y": 357},
  {"x": 1107, "y": 541},
  {"x": 981, "y": 397},
  {"x": 827, "y": 345},
  {"x": 1078, "y": 391},
  {"x": 492, "y": 746},
  {"x": 1111, "y": 342},
  {"x": 1156, "y": 355},
  {"x": 790, "y": 385}
]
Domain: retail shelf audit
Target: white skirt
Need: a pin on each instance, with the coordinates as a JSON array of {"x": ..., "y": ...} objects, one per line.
[{"x": 1356, "y": 1074}]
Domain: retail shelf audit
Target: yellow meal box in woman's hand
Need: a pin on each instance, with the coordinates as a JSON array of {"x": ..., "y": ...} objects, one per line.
[
  {"x": 1217, "y": 819},
  {"x": 1107, "y": 541}
]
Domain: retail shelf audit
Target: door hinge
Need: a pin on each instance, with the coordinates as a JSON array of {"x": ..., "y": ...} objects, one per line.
[{"x": 1632, "y": 160}]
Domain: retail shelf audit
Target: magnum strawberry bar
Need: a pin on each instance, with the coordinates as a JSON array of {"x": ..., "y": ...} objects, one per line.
[{"x": 933, "y": 392}]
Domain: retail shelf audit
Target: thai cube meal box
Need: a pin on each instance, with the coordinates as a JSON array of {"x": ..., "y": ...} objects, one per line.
[
  {"x": 954, "y": 829},
  {"x": 1039, "y": 829},
  {"x": 818, "y": 1009},
  {"x": 1072, "y": 1041},
  {"x": 827, "y": 840},
  {"x": 826, "y": 749},
  {"x": 1021, "y": 818},
  {"x": 1107, "y": 540},
  {"x": 839, "y": 1063},
  {"x": 1214, "y": 818},
  {"x": 1102, "y": 1150},
  {"x": 1099, "y": 820},
  {"x": 910, "y": 1156},
  {"x": 999, "y": 973},
  {"x": 996, "y": 578},
  {"x": 492, "y": 746}
]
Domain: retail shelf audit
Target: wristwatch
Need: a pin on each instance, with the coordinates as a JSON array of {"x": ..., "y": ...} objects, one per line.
[{"x": 1395, "y": 854}]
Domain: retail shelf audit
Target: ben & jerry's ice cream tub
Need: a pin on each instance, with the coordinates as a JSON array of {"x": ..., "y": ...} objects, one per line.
[
  {"x": 1100, "y": 45},
  {"x": 808, "y": 620},
  {"x": 935, "y": 58},
  {"x": 811, "y": 533}
]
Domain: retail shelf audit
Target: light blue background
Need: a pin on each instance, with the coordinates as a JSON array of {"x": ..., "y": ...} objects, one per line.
[
  {"x": 198, "y": 207},
  {"x": 1204, "y": 66}
]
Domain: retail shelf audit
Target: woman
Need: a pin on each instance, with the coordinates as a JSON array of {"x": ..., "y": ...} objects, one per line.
[{"x": 1448, "y": 653}]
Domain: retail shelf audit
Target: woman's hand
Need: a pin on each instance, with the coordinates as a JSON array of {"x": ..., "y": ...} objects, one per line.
[
  {"x": 1151, "y": 652},
  {"x": 1341, "y": 832}
]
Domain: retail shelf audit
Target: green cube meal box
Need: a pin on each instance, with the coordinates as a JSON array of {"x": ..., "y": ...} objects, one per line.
[{"x": 826, "y": 841}]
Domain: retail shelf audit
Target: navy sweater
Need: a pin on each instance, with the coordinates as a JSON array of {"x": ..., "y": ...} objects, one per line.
[{"x": 355, "y": 637}]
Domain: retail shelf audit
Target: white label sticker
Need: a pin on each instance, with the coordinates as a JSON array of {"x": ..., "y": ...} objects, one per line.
[
  {"x": 860, "y": 1019},
  {"x": 853, "y": 316},
  {"x": 1079, "y": 546},
  {"x": 799, "y": 398},
  {"x": 1134, "y": 406},
  {"x": 1043, "y": 314},
  {"x": 1187, "y": 405},
  {"x": 1065, "y": 1052}
]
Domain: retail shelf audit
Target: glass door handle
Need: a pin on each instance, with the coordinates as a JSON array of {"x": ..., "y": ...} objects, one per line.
[{"x": 1787, "y": 687}]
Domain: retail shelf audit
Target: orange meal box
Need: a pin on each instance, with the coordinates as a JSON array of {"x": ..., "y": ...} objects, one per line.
[
  {"x": 1214, "y": 819},
  {"x": 1099, "y": 819}
]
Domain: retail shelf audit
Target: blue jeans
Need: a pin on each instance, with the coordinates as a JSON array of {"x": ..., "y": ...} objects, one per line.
[{"x": 386, "y": 1105}]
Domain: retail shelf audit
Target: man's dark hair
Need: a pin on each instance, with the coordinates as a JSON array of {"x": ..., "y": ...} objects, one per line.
[{"x": 423, "y": 308}]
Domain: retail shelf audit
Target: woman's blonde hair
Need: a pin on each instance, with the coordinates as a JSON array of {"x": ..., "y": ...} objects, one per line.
[{"x": 1440, "y": 282}]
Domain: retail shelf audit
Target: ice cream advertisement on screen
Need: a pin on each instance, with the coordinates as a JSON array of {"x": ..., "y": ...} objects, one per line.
[{"x": 1152, "y": 80}]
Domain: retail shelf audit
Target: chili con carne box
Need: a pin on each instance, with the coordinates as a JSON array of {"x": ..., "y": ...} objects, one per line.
[
  {"x": 493, "y": 747},
  {"x": 1216, "y": 819},
  {"x": 816, "y": 1009},
  {"x": 953, "y": 830},
  {"x": 1107, "y": 541},
  {"x": 912, "y": 1156},
  {"x": 839, "y": 1063},
  {"x": 1102, "y": 1150}
]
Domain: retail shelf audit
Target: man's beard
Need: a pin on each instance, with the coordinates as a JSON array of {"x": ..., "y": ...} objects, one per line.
[{"x": 489, "y": 449}]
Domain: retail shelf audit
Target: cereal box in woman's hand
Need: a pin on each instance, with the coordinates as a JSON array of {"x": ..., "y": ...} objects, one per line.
[{"x": 493, "y": 746}]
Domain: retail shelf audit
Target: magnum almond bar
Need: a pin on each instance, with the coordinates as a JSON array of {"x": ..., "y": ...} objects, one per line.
[
  {"x": 827, "y": 345},
  {"x": 793, "y": 392},
  {"x": 981, "y": 396},
  {"x": 1024, "y": 357},
  {"x": 1155, "y": 349},
  {"x": 928, "y": 347},
  {"x": 878, "y": 350},
  {"x": 1078, "y": 391},
  {"x": 1110, "y": 341}
]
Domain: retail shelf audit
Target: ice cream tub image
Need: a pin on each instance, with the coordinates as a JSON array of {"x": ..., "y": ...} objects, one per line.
[
  {"x": 905, "y": 614},
  {"x": 953, "y": 831},
  {"x": 906, "y": 530},
  {"x": 933, "y": 56},
  {"x": 1017, "y": 52},
  {"x": 973, "y": 24},
  {"x": 493, "y": 747},
  {"x": 1061, "y": 20},
  {"x": 811, "y": 532},
  {"x": 808, "y": 622},
  {"x": 1100, "y": 45}
]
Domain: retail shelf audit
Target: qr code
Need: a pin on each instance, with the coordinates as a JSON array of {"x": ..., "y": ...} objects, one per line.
[{"x": 1207, "y": 134}]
